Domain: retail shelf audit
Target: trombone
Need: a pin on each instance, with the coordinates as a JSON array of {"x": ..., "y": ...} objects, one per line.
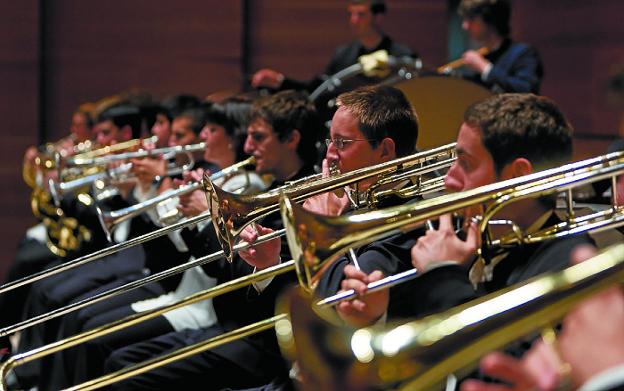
[
  {"x": 244, "y": 281},
  {"x": 309, "y": 269},
  {"x": 231, "y": 212},
  {"x": 418, "y": 355},
  {"x": 317, "y": 240}
]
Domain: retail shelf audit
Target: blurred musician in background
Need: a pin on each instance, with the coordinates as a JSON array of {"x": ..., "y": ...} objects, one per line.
[
  {"x": 508, "y": 66},
  {"x": 281, "y": 136},
  {"x": 365, "y": 20}
]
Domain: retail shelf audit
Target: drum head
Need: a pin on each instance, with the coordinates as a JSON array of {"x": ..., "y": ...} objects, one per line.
[{"x": 440, "y": 102}]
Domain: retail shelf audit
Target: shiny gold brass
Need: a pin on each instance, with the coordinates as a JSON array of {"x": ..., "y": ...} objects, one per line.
[
  {"x": 232, "y": 212},
  {"x": 420, "y": 354}
]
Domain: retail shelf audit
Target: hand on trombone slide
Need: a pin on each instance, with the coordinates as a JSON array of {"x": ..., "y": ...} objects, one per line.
[
  {"x": 260, "y": 256},
  {"x": 367, "y": 308},
  {"x": 195, "y": 202},
  {"x": 443, "y": 245}
]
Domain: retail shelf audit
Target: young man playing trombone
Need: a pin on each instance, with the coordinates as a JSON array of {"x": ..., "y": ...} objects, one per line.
[
  {"x": 503, "y": 137},
  {"x": 281, "y": 136}
]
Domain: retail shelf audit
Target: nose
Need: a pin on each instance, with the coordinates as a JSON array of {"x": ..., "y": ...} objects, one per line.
[
  {"x": 452, "y": 180},
  {"x": 332, "y": 153},
  {"x": 203, "y": 134},
  {"x": 249, "y": 146}
]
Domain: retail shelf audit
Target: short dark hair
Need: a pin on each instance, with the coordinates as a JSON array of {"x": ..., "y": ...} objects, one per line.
[
  {"x": 289, "y": 110},
  {"x": 197, "y": 117},
  {"x": 495, "y": 13},
  {"x": 175, "y": 105},
  {"x": 383, "y": 111},
  {"x": 522, "y": 125},
  {"x": 233, "y": 115},
  {"x": 123, "y": 114},
  {"x": 376, "y": 6}
]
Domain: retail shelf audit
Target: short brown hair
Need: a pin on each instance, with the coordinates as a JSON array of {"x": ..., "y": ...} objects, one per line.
[
  {"x": 522, "y": 125},
  {"x": 495, "y": 13},
  {"x": 383, "y": 111}
]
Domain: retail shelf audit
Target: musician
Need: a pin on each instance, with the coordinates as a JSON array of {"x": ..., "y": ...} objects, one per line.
[
  {"x": 503, "y": 137},
  {"x": 281, "y": 136},
  {"x": 372, "y": 125},
  {"x": 365, "y": 20},
  {"x": 588, "y": 352},
  {"x": 508, "y": 66},
  {"x": 116, "y": 269}
]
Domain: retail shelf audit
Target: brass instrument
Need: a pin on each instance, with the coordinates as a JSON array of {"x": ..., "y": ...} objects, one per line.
[
  {"x": 418, "y": 355},
  {"x": 244, "y": 281},
  {"x": 317, "y": 240},
  {"x": 64, "y": 233},
  {"x": 308, "y": 271},
  {"x": 231, "y": 212},
  {"x": 451, "y": 66},
  {"x": 109, "y": 220}
]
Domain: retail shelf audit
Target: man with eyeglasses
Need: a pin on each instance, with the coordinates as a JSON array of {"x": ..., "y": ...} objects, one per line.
[{"x": 373, "y": 125}]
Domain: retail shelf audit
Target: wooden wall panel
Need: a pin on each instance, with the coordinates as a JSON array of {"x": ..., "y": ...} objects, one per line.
[
  {"x": 299, "y": 37},
  {"x": 580, "y": 43},
  {"x": 95, "y": 49},
  {"x": 18, "y": 110}
]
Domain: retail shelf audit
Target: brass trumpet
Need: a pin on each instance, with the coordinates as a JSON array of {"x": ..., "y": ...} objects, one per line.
[
  {"x": 109, "y": 220},
  {"x": 231, "y": 212}
]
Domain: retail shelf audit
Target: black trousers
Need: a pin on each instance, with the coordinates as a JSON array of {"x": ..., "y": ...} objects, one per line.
[
  {"x": 224, "y": 367},
  {"x": 66, "y": 288}
]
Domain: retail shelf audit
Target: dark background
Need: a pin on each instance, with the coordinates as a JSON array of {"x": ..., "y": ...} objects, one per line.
[{"x": 57, "y": 54}]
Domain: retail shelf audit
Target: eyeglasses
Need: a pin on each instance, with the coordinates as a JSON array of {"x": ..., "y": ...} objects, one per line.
[{"x": 340, "y": 143}]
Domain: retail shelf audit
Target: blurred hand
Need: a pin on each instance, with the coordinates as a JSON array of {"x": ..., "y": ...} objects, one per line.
[
  {"x": 262, "y": 255},
  {"x": 366, "y": 309},
  {"x": 592, "y": 338},
  {"x": 475, "y": 61},
  {"x": 147, "y": 169},
  {"x": 328, "y": 203},
  {"x": 195, "y": 202},
  {"x": 267, "y": 78},
  {"x": 442, "y": 245}
]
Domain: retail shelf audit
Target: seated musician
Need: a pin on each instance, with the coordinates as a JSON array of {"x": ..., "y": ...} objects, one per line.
[
  {"x": 365, "y": 19},
  {"x": 372, "y": 125},
  {"x": 508, "y": 66},
  {"x": 281, "y": 136},
  {"x": 502, "y": 137},
  {"x": 116, "y": 269},
  {"x": 224, "y": 134}
]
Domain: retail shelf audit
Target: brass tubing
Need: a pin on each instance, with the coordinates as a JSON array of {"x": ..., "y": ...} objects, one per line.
[
  {"x": 179, "y": 354},
  {"x": 102, "y": 253},
  {"x": 130, "y": 286},
  {"x": 131, "y": 320}
]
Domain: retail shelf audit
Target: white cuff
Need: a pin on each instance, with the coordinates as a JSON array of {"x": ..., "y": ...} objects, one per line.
[
  {"x": 263, "y": 284},
  {"x": 486, "y": 71}
]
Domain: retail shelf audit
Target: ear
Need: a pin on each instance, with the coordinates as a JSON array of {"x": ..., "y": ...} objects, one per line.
[
  {"x": 293, "y": 139},
  {"x": 387, "y": 147},
  {"x": 521, "y": 166}
]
